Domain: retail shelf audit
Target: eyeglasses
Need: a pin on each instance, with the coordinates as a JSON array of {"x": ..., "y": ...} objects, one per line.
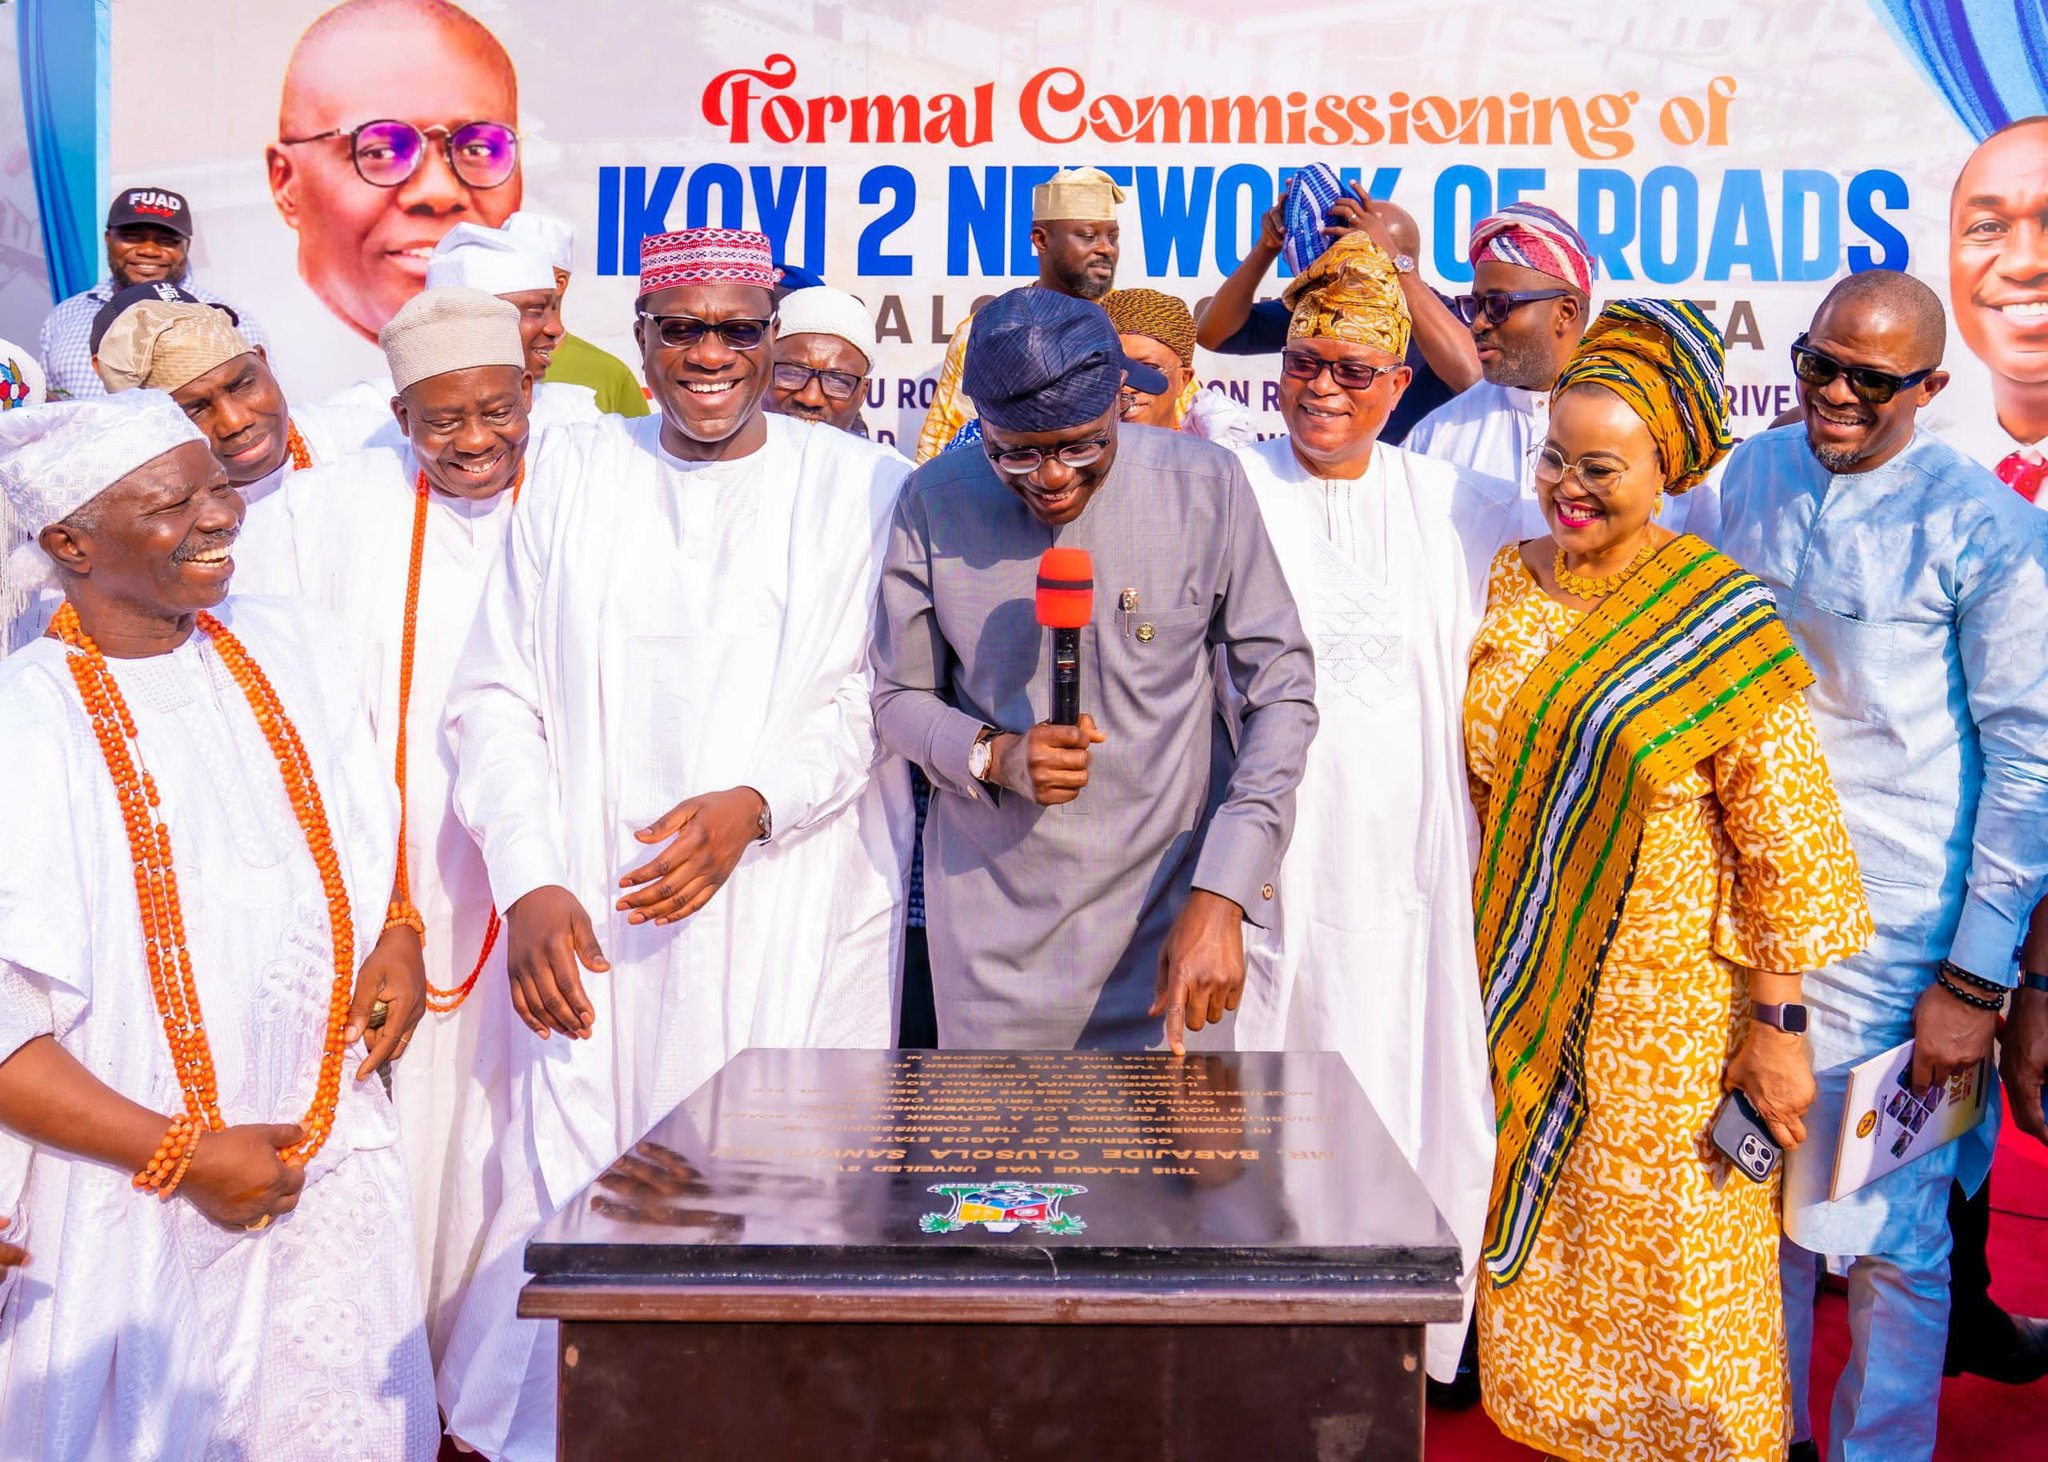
[
  {"x": 387, "y": 152},
  {"x": 1595, "y": 477},
  {"x": 1872, "y": 386},
  {"x": 793, "y": 378},
  {"x": 1023, "y": 460},
  {"x": 680, "y": 332},
  {"x": 1352, "y": 375},
  {"x": 1498, "y": 304}
]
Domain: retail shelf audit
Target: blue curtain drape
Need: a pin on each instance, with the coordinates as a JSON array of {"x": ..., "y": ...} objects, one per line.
[
  {"x": 1987, "y": 58},
  {"x": 62, "y": 49}
]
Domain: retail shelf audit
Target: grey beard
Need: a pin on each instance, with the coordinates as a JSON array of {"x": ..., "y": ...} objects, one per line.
[{"x": 1833, "y": 460}]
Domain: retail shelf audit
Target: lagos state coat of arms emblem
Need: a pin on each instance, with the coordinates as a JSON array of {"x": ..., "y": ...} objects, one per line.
[{"x": 1003, "y": 1208}]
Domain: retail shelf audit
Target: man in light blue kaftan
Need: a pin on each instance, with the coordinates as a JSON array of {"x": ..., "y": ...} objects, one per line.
[{"x": 1916, "y": 585}]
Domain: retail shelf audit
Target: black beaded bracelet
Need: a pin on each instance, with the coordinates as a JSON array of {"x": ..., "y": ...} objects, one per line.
[
  {"x": 1980, "y": 1002},
  {"x": 2034, "y": 980},
  {"x": 1957, "y": 972}
]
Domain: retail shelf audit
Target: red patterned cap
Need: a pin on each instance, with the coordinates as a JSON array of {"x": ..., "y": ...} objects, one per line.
[{"x": 706, "y": 256}]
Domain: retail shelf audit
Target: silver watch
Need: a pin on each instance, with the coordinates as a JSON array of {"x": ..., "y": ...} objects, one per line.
[{"x": 766, "y": 824}]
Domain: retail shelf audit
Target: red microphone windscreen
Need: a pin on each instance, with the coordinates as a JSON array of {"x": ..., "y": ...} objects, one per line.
[{"x": 1066, "y": 588}]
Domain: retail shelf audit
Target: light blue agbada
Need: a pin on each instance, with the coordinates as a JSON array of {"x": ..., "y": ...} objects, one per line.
[{"x": 1919, "y": 594}]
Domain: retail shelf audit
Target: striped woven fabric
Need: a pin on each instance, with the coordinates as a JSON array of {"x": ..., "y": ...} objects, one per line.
[
  {"x": 1683, "y": 659},
  {"x": 1311, "y": 193}
]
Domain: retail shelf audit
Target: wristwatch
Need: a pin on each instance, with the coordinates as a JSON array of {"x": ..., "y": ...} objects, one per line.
[
  {"x": 1404, "y": 263},
  {"x": 767, "y": 823},
  {"x": 2034, "y": 980},
  {"x": 1788, "y": 1017},
  {"x": 981, "y": 754}
]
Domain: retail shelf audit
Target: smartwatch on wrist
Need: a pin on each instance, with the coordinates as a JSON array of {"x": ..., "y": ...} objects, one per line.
[
  {"x": 1789, "y": 1017},
  {"x": 2034, "y": 980}
]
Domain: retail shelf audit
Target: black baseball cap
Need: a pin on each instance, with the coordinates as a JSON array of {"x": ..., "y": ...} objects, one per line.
[
  {"x": 159, "y": 206},
  {"x": 135, "y": 294}
]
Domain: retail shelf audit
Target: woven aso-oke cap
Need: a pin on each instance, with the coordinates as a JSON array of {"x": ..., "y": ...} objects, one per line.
[
  {"x": 706, "y": 256},
  {"x": 451, "y": 329},
  {"x": 1154, "y": 315},
  {"x": 549, "y": 237},
  {"x": 1039, "y": 360},
  {"x": 827, "y": 311},
  {"x": 56, "y": 458},
  {"x": 1082, "y": 194},
  {"x": 1351, "y": 292},
  {"x": 1664, "y": 359},
  {"x": 1536, "y": 238},
  {"x": 488, "y": 259},
  {"x": 164, "y": 346}
]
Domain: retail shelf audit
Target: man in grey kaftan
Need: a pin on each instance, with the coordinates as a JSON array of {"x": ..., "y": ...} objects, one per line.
[{"x": 1051, "y": 926}]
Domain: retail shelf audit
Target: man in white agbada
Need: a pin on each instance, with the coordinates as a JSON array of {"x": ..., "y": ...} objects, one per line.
[
  {"x": 225, "y": 384},
  {"x": 1386, "y": 552},
  {"x": 261, "y": 1301},
  {"x": 663, "y": 741},
  {"x": 515, "y": 269},
  {"x": 1532, "y": 281},
  {"x": 351, "y": 538}
]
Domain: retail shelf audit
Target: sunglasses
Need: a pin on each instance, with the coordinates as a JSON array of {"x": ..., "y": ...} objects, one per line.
[
  {"x": 793, "y": 378},
  {"x": 1352, "y": 375},
  {"x": 1021, "y": 460},
  {"x": 680, "y": 332},
  {"x": 386, "y": 153},
  {"x": 1498, "y": 304},
  {"x": 1873, "y": 387}
]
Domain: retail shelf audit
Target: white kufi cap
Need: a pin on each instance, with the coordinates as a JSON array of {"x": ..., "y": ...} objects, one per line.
[
  {"x": 488, "y": 259},
  {"x": 54, "y": 459},
  {"x": 552, "y": 239},
  {"x": 451, "y": 329},
  {"x": 823, "y": 310}
]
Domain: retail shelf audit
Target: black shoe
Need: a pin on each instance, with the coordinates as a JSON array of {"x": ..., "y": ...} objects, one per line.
[
  {"x": 1808, "y": 1451},
  {"x": 2012, "y": 1349}
]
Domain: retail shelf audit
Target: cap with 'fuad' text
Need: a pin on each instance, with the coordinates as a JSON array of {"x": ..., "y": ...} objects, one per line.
[{"x": 159, "y": 206}]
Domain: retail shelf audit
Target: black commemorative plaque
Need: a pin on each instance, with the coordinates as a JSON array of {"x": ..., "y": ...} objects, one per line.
[{"x": 914, "y": 1254}]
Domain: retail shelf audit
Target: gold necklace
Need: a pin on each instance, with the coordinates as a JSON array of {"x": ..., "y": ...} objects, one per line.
[{"x": 1580, "y": 587}]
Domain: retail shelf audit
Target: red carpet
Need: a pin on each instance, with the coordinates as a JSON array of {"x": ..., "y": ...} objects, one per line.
[{"x": 1979, "y": 1419}]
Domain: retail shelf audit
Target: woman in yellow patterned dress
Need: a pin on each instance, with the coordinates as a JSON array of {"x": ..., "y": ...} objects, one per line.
[{"x": 1663, "y": 856}]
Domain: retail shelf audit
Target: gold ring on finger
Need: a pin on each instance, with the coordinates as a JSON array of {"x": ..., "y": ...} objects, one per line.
[{"x": 259, "y": 1224}]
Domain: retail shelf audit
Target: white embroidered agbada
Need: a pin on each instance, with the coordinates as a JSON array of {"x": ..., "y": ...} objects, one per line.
[
  {"x": 658, "y": 629},
  {"x": 359, "y": 417},
  {"x": 1374, "y": 956},
  {"x": 1497, "y": 431},
  {"x": 140, "y": 1329},
  {"x": 341, "y": 537}
]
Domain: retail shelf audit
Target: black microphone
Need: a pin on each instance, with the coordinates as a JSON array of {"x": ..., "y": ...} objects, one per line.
[{"x": 1066, "y": 600}]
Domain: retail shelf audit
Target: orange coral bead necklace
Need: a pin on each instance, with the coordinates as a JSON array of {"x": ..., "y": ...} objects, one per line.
[
  {"x": 166, "y": 951},
  {"x": 295, "y": 444},
  {"x": 440, "y": 1001}
]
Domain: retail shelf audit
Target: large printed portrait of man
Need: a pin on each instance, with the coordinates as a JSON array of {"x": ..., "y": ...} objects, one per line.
[
  {"x": 399, "y": 119},
  {"x": 1998, "y": 274}
]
